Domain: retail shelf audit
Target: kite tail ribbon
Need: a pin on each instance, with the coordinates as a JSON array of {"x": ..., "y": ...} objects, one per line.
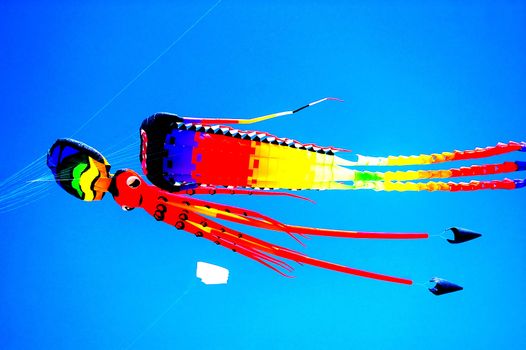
[
  {"x": 402, "y": 181},
  {"x": 433, "y": 158}
]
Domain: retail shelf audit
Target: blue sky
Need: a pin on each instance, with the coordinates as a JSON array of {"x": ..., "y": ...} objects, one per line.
[{"x": 417, "y": 77}]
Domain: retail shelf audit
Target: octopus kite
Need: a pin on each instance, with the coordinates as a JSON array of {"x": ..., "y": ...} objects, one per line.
[{"x": 186, "y": 156}]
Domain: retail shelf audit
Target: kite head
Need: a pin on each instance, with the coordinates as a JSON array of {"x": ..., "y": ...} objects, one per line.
[
  {"x": 79, "y": 169},
  {"x": 127, "y": 188}
]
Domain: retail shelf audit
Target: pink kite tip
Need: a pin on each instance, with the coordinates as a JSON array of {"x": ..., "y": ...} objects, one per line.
[
  {"x": 300, "y": 197},
  {"x": 341, "y": 149}
]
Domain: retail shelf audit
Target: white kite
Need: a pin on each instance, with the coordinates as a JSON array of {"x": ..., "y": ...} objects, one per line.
[{"x": 211, "y": 274}]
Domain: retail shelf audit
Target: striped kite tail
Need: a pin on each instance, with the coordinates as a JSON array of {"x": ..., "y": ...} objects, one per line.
[
  {"x": 451, "y": 186},
  {"x": 423, "y": 180},
  {"x": 434, "y": 158}
]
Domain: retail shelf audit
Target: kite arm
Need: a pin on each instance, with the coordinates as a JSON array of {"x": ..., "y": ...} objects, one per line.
[
  {"x": 211, "y": 190},
  {"x": 208, "y": 121}
]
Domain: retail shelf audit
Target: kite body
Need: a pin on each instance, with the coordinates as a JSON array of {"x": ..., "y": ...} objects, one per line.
[
  {"x": 184, "y": 156},
  {"x": 84, "y": 173},
  {"x": 180, "y": 153},
  {"x": 176, "y": 153}
]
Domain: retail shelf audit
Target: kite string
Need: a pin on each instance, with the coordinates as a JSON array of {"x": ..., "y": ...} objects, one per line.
[
  {"x": 161, "y": 315},
  {"x": 28, "y": 168},
  {"x": 35, "y": 164},
  {"x": 164, "y": 52}
]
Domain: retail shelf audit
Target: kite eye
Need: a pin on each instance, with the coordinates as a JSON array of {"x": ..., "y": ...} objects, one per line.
[
  {"x": 126, "y": 208},
  {"x": 133, "y": 182}
]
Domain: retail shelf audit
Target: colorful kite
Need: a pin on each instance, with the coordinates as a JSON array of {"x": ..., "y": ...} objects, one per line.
[
  {"x": 182, "y": 153},
  {"x": 185, "y": 156}
]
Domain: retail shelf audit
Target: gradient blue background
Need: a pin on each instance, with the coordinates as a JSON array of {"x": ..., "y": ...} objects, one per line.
[{"x": 416, "y": 77}]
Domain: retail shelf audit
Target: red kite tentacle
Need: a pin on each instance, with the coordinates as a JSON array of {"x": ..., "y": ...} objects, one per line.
[
  {"x": 301, "y": 258},
  {"x": 213, "y": 231},
  {"x": 335, "y": 267},
  {"x": 238, "y": 238},
  {"x": 235, "y": 214},
  {"x": 215, "y": 190},
  {"x": 163, "y": 210},
  {"x": 356, "y": 234},
  {"x": 226, "y": 214},
  {"x": 240, "y": 246}
]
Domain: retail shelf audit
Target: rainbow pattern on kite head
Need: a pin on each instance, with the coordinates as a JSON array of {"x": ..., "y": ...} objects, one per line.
[{"x": 79, "y": 169}]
